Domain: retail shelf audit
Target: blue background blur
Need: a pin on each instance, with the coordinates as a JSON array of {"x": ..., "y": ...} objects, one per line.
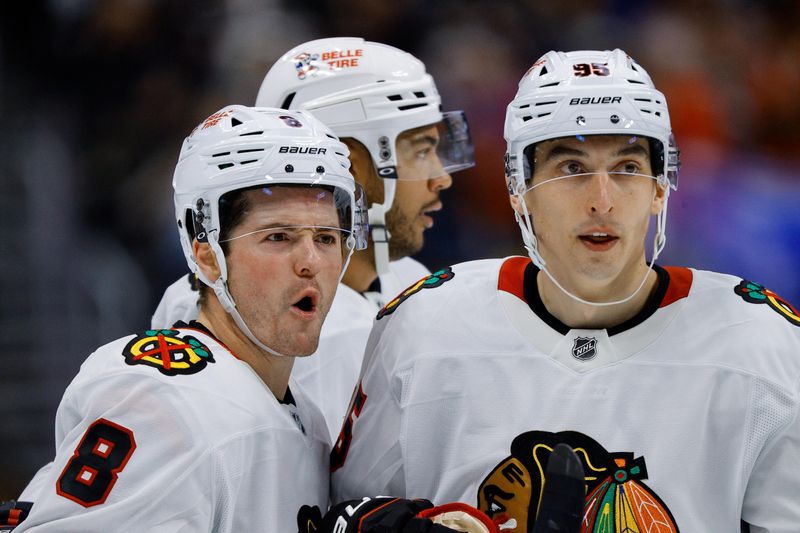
[{"x": 97, "y": 96}]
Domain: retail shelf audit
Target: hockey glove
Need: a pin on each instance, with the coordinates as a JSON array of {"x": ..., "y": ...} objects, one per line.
[
  {"x": 12, "y": 513},
  {"x": 398, "y": 515}
]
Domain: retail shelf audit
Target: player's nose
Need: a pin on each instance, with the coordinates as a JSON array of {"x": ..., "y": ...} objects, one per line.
[
  {"x": 439, "y": 183},
  {"x": 599, "y": 193},
  {"x": 307, "y": 258}
]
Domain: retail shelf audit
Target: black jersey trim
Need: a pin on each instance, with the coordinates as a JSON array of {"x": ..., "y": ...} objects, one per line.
[
  {"x": 531, "y": 292},
  {"x": 375, "y": 286}
]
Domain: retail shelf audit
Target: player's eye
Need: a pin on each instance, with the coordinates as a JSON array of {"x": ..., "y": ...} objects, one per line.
[
  {"x": 277, "y": 237},
  {"x": 570, "y": 168},
  {"x": 630, "y": 167},
  {"x": 328, "y": 239},
  {"x": 425, "y": 153}
]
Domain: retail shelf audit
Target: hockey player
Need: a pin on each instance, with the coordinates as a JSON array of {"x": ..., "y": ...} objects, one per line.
[
  {"x": 194, "y": 427},
  {"x": 679, "y": 389},
  {"x": 381, "y": 102}
]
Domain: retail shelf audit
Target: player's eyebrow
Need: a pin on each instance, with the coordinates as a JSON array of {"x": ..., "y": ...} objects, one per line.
[
  {"x": 560, "y": 149},
  {"x": 634, "y": 149},
  {"x": 424, "y": 139}
]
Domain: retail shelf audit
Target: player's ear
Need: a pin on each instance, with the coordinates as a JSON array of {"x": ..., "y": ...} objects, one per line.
[
  {"x": 363, "y": 170},
  {"x": 658, "y": 199},
  {"x": 206, "y": 260}
]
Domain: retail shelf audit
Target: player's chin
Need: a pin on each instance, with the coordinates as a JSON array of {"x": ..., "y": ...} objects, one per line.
[{"x": 300, "y": 344}]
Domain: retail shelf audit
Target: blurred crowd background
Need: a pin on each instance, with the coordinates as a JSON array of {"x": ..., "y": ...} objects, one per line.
[{"x": 97, "y": 95}]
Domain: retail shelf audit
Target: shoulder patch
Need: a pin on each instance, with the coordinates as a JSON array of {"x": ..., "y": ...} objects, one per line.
[
  {"x": 755, "y": 293},
  {"x": 432, "y": 281},
  {"x": 168, "y": 351}
]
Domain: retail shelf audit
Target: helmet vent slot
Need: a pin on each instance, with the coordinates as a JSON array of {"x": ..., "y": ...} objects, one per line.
[
  {"x": 643, "y": 99},
  {"x": 526, "y": 118},
  {"x": 248, "y": 161},
  {"x": 545, "y": 103},
  {"x": 395, "y": 97},
  {"x": 411, "y": 106},
  {"x": 636, "y": 82},
  {"x": 251, "y": 133},
  {"x": 419, "y": 94},
  {"x": 235, "y": 121},
  {"x": 223, "y": 166},
  {"x": 550, "y": 84},
  {"x": 524, "y": 106},
  {"x": 249, "y": 150},
  {"x": 221, "y": 154},
  {"x": 543, "y": 71},
  {"x": 288, "y": 100},
  {"x": 543, "y": 115}
]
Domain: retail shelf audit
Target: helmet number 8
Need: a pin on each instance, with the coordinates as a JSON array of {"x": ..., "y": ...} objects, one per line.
[
  {"x": 92, "y": 471},
  {"x": 586, "y": 69}
]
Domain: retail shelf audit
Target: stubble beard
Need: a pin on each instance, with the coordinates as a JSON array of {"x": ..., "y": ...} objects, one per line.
[{"x": 404, "y": 241}]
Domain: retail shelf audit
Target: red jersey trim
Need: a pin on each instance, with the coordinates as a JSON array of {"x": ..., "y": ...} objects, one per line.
[
  {"x": 512, "y": 280},
  {"x": 512, "y": 276},
  {"x": 680, "y": 282}
]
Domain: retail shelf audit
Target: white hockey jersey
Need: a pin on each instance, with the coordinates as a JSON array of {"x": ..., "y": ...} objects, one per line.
[
  {"x": 167, "y": 431},
  {"x": 329, "y": 375},
  {"x": 685, "y": 417}
]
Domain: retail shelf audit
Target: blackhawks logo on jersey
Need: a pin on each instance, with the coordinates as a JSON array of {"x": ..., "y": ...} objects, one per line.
[
  {"x": 756, "y": 293},
  {"x": 617, "y": 500},
  {"x": 432, "y": 281},
  {"x": 168, "y": 351}
]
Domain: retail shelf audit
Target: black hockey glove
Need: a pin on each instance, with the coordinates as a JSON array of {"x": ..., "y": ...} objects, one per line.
[
  {"x": 560, "y": 510},
  {"x": 398, "y": 515},
  {"x": 12, "y": 513}
]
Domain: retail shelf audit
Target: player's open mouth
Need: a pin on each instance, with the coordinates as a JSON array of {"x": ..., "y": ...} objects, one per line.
[
  {"x": 306, "y": 305},
  {"x": 426, "y": 216},
  {"x": 598, "y": 240}
]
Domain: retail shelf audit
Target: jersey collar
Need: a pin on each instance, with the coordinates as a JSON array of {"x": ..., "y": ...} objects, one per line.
[{"x": 518, "y": 276}]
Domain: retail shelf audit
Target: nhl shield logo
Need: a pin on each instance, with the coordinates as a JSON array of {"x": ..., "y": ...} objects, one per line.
[{"x": 585, "y": 348}]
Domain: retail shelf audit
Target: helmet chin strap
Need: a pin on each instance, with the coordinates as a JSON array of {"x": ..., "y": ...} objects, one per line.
[
  {"x": 532, "y": 246},
  {"x": 378, "y": 230},
  {"x": 225, "y": 298}
]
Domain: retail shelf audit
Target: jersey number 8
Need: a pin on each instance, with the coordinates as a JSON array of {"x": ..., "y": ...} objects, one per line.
[{"x": 92, "y": 471}]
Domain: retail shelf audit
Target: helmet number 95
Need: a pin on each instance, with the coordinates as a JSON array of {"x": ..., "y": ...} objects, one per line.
[{"x": 586, "y": 69}]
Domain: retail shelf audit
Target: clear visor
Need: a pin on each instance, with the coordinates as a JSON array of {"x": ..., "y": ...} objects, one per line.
[
  {"x": 281, "y": 214},
  {"x": 570, "y": 160},
  {"x": 433, "y": 151}
]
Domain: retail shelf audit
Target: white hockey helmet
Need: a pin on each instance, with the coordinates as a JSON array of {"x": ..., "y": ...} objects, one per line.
[
  {"x": 372, "y": 93},
  {"x": 242, "y": 147},
  {"x": 586, "y": 93},
  {"x": 369, "y": 91}
]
